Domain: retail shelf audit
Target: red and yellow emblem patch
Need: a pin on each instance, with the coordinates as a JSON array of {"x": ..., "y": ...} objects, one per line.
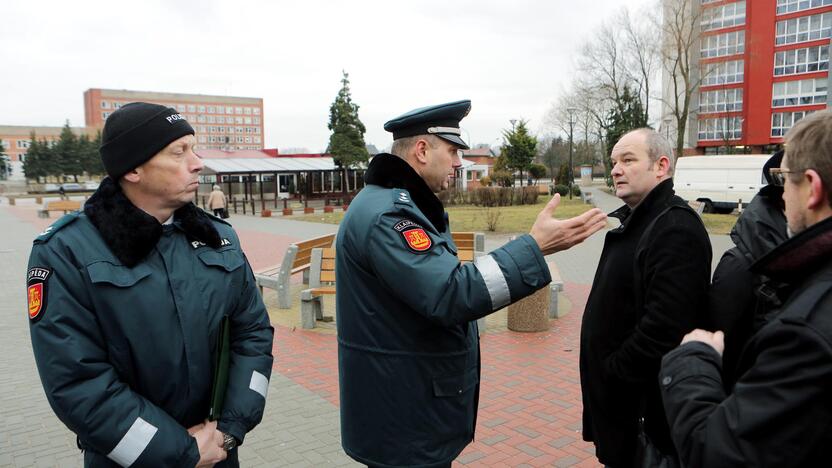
[
  {"x": 417, "y": 239},
  {"x": 36, "y": 281},
  {"x": 35, "y": 300}
]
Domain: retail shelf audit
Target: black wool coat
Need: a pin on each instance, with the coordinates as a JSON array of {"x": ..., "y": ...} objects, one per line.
[
  {"x": 650, "y": 289},
  {"x": 779, "y": 412}
]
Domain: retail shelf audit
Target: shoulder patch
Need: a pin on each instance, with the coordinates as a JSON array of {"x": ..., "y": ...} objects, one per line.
[
  {"x": 65, "y": 220},
  {"x": 414, "y": 235},
  {"x": 37, "y": 280},
  {"x": 402, "y": 197}
]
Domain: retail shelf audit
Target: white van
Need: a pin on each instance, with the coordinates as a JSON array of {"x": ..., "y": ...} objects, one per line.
[{"x": 720, "y": 182}]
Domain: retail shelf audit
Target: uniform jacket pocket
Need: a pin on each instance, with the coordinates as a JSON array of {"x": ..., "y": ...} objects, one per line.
[
  {"x": 117, "y": 275},
  {"x": 229, "y": 260}
]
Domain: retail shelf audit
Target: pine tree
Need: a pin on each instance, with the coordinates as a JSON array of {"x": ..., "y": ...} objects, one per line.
[
  {"x": 67, "y": 157},
  {"x": 88, "y": 154},
  {"x": 37, "y": 156},
  {"x": 519, "y": 149},
  {"x": 627, "y": 115},
  {"x": 5, "y": 164},
  {"x": 346, "y": 144}
]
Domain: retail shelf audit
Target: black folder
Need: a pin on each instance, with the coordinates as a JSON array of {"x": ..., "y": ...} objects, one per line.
[{"x": 221, "y": 363}]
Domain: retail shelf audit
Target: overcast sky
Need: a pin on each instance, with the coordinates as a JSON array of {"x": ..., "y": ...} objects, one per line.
[{"x": 511, "y": 58}]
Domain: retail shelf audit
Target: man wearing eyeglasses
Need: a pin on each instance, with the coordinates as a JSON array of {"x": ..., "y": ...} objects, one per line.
[{"x": 780, "y": 410}]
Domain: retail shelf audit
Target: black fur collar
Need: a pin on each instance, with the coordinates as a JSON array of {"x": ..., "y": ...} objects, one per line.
[
  {"x": 131, "y": 233},
  {"x": 391, "y": 171}
]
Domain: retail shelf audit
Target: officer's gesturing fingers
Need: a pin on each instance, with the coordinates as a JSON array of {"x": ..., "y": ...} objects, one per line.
[{"x": 553, "y": 235}]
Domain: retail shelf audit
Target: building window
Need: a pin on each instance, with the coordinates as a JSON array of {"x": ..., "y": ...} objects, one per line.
[
  {"x": 720, "y": 45},
  {"x": 202, "y": 138},
  {"x": 256, "y": 129},
  {"x": 804, "y": 28},
  {"x": 806, "y": 60},
  {"x": 790, "y": 6},
  {"x": 181, "y": 107},
  {"x": 191, "y": 108},
  {"x": 23, "y": 144},
  {"x": 725, "y": 16},
  {"x": 21, "y": 157},
  {"x": 256, "y": 111},
  {"x": 238, "y": 110},
  {"x": 781, "y": 122},
  {"x": 257, "y": 140},
  {"x": 238, "y": 120},
  {"x": 256, "y": 120},
  {"x": 247, "y": 120},
  {"x": 105, "y": 105},
  {"x": 247, "y": 110},
  {"x": 211, "y": 109},
  {"x": 104, "y": 115},
  {"x": 799, "y": 93},
  {"x": 724, "y": 72},
  {"x": 720, "y": 100},
  {"x": 724, "y": 128},
  {"x": 248, "y": 139},
  {"x": 201, "y": 109},
  {"x": 239, "y": 139}
]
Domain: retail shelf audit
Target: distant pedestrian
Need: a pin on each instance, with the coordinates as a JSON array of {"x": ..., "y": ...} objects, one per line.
[
  {"x": 217, "y": 202},
  {"x": 62, "y": 192}
]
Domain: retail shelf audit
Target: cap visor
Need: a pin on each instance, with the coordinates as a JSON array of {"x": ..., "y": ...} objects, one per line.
[{"x": 453, "y": 139}]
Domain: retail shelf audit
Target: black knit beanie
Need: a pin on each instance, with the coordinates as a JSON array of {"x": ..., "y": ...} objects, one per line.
[{"x": 136, "y": 132}]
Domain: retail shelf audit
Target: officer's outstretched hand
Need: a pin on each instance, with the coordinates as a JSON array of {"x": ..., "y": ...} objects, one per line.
[
  {"x": 553, "y": 235},
  {"x": 209, "y": 441}
]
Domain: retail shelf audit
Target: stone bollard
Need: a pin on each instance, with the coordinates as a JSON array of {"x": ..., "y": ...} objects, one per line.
[{"x": 530, "y": 314}]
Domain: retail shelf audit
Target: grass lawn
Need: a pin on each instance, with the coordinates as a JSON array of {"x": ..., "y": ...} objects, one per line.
[
  {"x": 510, "y": 219},
  {"x": 514, "y": 219}
]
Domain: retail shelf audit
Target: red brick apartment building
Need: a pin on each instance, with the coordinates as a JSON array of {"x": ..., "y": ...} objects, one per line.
[
  {"x": 764, "y": 65},
  {"x": 221, "y": 122},
  {"x": 16, "y": 139}
]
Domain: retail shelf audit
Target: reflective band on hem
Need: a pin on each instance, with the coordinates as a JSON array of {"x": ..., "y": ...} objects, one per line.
[
  {"x": 495, "y": 281},
  {"x": 259, "y": 383},
  {"x": 133, "y": 443}
]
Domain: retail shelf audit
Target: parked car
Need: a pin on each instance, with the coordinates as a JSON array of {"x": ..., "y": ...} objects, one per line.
[
  {"x": 720, "y": 182},
  {"x": 72, "y": 187}
]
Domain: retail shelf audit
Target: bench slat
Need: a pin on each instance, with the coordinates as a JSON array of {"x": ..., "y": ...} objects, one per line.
[
  {"x": 328, "y": 264},
  {"x": 327, "y": 276},
  {"x": 323, "y": 290},
  {"x": 465, "y": 255}
]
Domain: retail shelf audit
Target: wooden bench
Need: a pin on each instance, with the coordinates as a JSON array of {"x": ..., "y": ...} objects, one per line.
[
  {"x": 60, "y": 205},
  {"x": 322, "y": 275},
  {"x": 297, "y": 259}
]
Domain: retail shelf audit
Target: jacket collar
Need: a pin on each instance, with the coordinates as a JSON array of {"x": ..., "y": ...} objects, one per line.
[
  {"x": 390, "y": 171},
  {"x": 799, "y": 256},
  {"x": 130, "y": 233},
  {"x": 659, "y": 196}
]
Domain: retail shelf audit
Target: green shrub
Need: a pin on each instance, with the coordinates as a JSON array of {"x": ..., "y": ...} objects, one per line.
[
  {"x": 576, "y": 191},
  {"x": 563, "y": 190}
]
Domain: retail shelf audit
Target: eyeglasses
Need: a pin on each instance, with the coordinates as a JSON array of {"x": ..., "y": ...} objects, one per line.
[{"x": 778, "y": 175}]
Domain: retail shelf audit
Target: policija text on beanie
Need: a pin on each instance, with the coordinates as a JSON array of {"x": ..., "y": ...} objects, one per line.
[{"x": 136, "y": 132}]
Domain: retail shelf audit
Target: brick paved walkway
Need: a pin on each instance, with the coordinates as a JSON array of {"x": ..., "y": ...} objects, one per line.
[{"x": 530, "y": 406}]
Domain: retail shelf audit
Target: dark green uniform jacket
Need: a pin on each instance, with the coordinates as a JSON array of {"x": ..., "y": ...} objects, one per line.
[
  {"x": 408, "y": 350},
  {"x": 124, "y": 317}
]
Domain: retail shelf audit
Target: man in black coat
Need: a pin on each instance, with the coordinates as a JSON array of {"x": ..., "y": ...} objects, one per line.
[
  {"x": 780, "y": 410},
  {"x": 739, "y": 300},
  {"x": 649, "y": 290}
]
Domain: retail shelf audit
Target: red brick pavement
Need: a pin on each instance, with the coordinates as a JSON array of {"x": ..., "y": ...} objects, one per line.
[{"x": 530, "y": 401}]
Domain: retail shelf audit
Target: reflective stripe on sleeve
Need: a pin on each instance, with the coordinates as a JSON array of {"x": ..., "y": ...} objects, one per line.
[
  {"x": 259, "y": 383},
  {"x": 495, "y": 281},
  {"x": 131, "y": 446}
]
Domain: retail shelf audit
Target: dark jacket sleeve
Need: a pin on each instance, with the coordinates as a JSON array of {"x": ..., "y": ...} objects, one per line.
[
  {"x": 83, "y": 388},
  {"x": 251, "y": 362},
  {"x": 436, "y": 285},
  {"x": 778, "y": 412},
  {"x": 731, "y": 293},
  {"x": 674, "y": 281}
]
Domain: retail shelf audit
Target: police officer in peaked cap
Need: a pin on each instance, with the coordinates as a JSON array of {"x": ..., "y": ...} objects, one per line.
[{"x": 408, "y": 347}]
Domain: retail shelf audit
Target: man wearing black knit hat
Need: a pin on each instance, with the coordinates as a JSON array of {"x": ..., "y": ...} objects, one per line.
[{"x": 143, "y": 309}]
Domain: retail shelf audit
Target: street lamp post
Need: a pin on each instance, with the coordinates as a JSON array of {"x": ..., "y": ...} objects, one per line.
[{"x": 571, "y": 112}]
